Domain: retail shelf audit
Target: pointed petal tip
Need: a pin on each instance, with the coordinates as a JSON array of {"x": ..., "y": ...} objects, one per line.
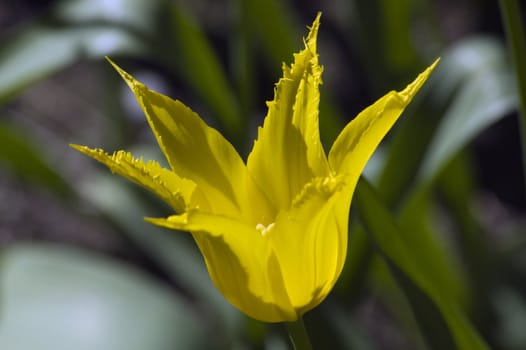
[
  {"x": 427, "y": 72},
  {"x": 107, "y": 58},
  {"x": 413, "y": 87},
  {"x": 168, "y": 222},
  {"x": 115, "y": 66},
  {"x": 155, "y": 221},
  {"x": 130, "y": 81},
  {"x": 90, "y": 152},
  {"x": 75, "y": 146},
  {"x": 82, "y": 149},
  {"x": 316, "y": 23},
  {"x": 310, "y": 41}
]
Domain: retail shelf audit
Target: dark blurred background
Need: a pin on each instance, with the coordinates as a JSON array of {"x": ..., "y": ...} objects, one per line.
[{"x": 81, "y": 270}]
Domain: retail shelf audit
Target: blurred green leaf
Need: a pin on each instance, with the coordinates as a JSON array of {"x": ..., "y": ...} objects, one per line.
[
  {"x": 511, "y": 310},
  {"x": 438, "y": 315},
  {"x": 482, "y": 100},
  {"x": 421, "y": 230},
  {"x": 26, "y": 160},
  {"x": 457, "y": 187},
  {"x": 38, "y": 51},
  {"x": 473, "y": 76},
  {"x": 136, "y": 16},
  {"x": 383, "y": 285},
  {"x": 58, "y": 297},
  {"x": 466, "y": 59},
  {"x": 274, "y": 25},
  {"x": 398, "y": 51},
  {"x": 241, "y": 61},
  {"x": 187, "y": 47},
  {"x": 85, "y": 29},
  {"x": 404, "y": 153},
  {"x": 429, "y": 317},
  {"x": 384, "y": 31},
  {"x": 355, "y": 271}
]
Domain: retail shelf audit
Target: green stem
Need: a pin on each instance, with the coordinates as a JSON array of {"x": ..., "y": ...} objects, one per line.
[
  {"x": 511, "y": 15},
  {"x": 298, "y": 335}
]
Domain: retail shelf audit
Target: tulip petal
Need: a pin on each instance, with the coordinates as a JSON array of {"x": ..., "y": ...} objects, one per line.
[
  {"x": 193, "y": 149},
  {"x": 358, "y": 140},
  {"x": 288, "y": 152},
  {"x": 310, "y": 242},
  {"x": 273, "y": 233},
  {"x": 175, "y": 191},
  {"x": 241, "y": 263}
]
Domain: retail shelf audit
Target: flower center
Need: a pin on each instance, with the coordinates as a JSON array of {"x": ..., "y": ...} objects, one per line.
[{"x": 264, "y": 229}]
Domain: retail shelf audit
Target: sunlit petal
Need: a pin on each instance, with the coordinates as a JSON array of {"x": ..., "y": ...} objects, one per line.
[
  {"x": 175, "y": 191},
  {"x": 288, "y": 152},
  {"x": 273, "y": 234},
  {"x": 310, "y": 242},
  {"x": 358, "y": 140},
  {"x": 193, "y": 149},
  {"x": 241, "y": 263}
]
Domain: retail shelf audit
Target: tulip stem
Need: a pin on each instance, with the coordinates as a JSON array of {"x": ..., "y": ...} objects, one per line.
[
  {"x": 514, "y": 26},
  {"x": 298, "y": 335}
]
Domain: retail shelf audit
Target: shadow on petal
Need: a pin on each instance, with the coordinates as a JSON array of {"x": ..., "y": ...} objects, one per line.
[{"x": 252, "y": 280}]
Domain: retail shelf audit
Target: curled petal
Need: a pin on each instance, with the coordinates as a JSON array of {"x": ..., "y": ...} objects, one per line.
[
  {"x": 241, "y": 263},
  {"x": 175, "y": 191}
]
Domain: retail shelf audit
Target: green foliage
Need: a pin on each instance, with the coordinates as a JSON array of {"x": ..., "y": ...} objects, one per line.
[
  {"x": 27, "y": 161},
  {"x": 437, "y": 311},
  {"x": 58, "y": 297},
  {"x": 439, "y": 257},
  {"x": 196, "y": 60}
]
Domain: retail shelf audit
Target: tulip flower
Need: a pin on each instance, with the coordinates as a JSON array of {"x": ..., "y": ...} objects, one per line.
[{"x": 272, "y": 231}]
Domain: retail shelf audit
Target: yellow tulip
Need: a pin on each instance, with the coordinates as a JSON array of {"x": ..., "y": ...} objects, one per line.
[{"x": 273, "y": 231}]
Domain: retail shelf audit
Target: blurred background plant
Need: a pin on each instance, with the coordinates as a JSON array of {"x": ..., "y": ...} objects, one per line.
[{"x": 436, "y": 254}]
